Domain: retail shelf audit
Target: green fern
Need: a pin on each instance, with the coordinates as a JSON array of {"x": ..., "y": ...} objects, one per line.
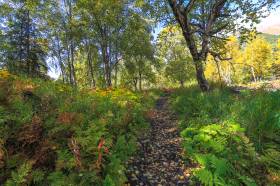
[
  {"x": 57, "y": 179},
  {"x": 108, "y": 181},
  {"x": 223, "y": 152},
  {"x": 205, "y": 177},
  {"x": 271, "y": 157},
  {"x": 220, "y": 166},
  {"x": 19, "y": 177}
]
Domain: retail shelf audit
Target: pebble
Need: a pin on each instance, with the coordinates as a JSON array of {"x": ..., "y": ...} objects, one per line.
[{"x": 159, "y": 160}]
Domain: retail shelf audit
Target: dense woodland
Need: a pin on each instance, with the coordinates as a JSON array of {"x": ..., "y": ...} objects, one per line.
[{"x": 82, "y": 80}]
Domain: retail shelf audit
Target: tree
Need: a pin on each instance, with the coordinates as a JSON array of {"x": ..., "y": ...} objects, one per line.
[
  {"x": 230, "y": 70},
  {"x": 207, "y": 23},
  {"x": 137, "y": 51},
  {"x": 275, "y": 68},
  {"x": 24, "y": 47},
  {"x": 173, "y": 55},
  {"x": 177, "y": 71},
  {"x": 258, "y": 58}
]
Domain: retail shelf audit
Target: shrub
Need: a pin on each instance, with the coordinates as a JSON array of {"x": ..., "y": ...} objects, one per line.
[
  {"x": 224, "y": 153},
  {"x": 67, "y": 136}
]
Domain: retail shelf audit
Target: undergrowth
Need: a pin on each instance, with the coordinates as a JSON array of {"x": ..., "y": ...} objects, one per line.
[
  {"x": 233, "y": 138},
  {"x": 52, "y": 134}
]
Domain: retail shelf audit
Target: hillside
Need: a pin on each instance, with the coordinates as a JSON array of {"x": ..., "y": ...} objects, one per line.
[{"x": 272, "y": 39}]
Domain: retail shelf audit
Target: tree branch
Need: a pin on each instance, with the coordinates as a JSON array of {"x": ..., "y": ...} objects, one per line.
[
  {"x": 189, "y": 7},
  {"x": 219, "y": 56}
]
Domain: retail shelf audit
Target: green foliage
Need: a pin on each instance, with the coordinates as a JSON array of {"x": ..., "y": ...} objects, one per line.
[
  {"x": 223, "y": 152},
  {"x": 239, "y": 132},
  {"x": 177, "y": 71},
  {"x": 20, "y": 176},
  {"x": 174, "y": 57},
  {"x": 71, "y": 137}
]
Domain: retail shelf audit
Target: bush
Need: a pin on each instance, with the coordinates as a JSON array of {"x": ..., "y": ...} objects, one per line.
[
  {"x": 224, "y": 153},
  {"x": 52, "y": 134}
]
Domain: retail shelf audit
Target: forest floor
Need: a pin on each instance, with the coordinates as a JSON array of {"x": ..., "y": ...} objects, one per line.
[{"x": 159, "y": 160}]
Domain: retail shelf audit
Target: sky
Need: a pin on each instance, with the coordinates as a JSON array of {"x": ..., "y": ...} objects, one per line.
[{"x": 272, "y": 21}]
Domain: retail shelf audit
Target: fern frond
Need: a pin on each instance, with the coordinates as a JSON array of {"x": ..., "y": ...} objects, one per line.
[{"x": 205, "y": 177}]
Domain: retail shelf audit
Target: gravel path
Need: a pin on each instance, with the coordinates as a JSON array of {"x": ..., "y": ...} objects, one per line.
[{"x": 159, "y": 161}]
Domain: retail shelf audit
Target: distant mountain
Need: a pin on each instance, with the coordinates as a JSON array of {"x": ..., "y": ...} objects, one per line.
[
  {"x": 271, "y": 33},
  {"x": 271, "y": 38}
]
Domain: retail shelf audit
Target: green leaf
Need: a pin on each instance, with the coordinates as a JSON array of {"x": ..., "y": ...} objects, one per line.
[{"x": 205, "y": 177}]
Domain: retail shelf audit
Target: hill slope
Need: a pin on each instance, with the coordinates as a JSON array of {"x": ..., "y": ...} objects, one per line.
[{"x": 272, "y": 39}]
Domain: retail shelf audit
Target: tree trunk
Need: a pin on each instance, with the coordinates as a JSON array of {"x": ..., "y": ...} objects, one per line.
[
  {"x": 181, "y": 83},
  {"x": 219, "y": 72},
  {"x": 135, "y": 84},
  {"x": 140, "y": 81},
  {"x": 116, "y": 75},
  {"x": 28, "y": 60},
  {"x": 61, "y": 65},
  {"x": 69, "y": 66},
  {"x": 70, "y": 43},
  {"x": 253, "y": 74},
  {"x": 20, "y": 46},
  {"x": 198, "y": 57},
  {"x": 200, "y": 77},
  {"x": 106, "y": 62},
  {"x": 72, "y": 65},
  {"x": 90, "y": 67},
  {"x": 106, "y": 56}
]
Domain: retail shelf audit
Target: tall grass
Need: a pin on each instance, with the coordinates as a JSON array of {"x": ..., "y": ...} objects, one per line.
[{"x": 256, "y": 112}]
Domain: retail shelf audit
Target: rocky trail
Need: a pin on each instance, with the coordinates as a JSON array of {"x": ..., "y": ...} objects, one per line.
[{"x": 159, "y": 162}]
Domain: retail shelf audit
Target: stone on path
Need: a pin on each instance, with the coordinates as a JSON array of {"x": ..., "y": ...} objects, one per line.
[{"x": 159, "y": 161}]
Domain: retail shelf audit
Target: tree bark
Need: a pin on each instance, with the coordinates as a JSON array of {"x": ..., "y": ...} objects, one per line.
[
  {"x": 90, "y": 67},
  {"x": 69, "y": 66},
  {"x": 106, "y": 57},
  {"x": 219, "y": 72},
  {"x": 253, "y": 74},
  {"x": 61, "y": 65},
  {"x": 116, "y": 75},
  {"x": 70, "y": 43},
  {"x": 135, "y": 83},
  {"x": 198, "y": 57},
  {"x": 72, "y": 64},
  {"x": 182, "y": 83},
  {"x": 106, "y": 62},
  {"x": 140, "y": 81},
  {"x": 28, "y": 60},
  {"x": 200, "y": 77}
]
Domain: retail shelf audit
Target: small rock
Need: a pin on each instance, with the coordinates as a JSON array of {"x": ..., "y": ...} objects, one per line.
[{"x": 181, "y": 177}]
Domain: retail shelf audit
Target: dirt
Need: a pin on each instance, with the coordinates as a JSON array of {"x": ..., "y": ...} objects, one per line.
[{"x": 159, "y": 160}]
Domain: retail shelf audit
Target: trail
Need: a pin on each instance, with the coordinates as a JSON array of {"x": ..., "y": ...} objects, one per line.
[{"x": 159, "y": 161}]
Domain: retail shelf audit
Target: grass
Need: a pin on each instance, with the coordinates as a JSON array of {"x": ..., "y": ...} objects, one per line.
[{"x": 221, "y": 118}]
